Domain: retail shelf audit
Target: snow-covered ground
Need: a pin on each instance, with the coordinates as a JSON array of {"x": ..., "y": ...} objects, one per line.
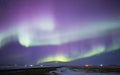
[{"x": 66, "y": 71}]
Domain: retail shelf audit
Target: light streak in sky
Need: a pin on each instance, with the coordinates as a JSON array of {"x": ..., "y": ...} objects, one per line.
[
  {"x": 48, "y": 23},
  {"x": 27, "y": 37},
  {"x": 34, "y": 36}
]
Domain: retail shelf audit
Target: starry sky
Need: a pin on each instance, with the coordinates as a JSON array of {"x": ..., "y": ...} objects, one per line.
[{"x": 37, "y": 31}]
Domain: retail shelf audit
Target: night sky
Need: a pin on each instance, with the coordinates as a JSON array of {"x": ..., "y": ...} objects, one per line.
[{"x": 37, "y": 31}]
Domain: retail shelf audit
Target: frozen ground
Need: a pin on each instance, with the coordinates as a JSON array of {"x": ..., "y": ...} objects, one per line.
[{"x": 66, "y": 71}]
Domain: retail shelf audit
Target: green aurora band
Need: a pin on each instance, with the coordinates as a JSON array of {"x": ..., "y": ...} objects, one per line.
[{"x": 28, "y": 38}]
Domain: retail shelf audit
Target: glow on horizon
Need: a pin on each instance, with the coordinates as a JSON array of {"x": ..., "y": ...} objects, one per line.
[
  {"x": 65, "y": 57},
  {"x": 60, "y": 58}
]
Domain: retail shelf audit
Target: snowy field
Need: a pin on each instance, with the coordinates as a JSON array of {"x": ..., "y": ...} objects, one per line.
[{"x": 66, "y": 71}]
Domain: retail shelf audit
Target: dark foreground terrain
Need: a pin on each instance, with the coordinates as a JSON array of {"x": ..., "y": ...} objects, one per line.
[
  {"x": 28, "y": 71},
  {"x": 55, "y": 71}
]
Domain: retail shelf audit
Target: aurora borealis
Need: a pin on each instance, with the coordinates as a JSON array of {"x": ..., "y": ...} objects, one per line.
[{"x": 76, "y": 28}]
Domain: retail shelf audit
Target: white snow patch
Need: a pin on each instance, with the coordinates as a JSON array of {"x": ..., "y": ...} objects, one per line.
[{"x": 66, "y": 71}]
